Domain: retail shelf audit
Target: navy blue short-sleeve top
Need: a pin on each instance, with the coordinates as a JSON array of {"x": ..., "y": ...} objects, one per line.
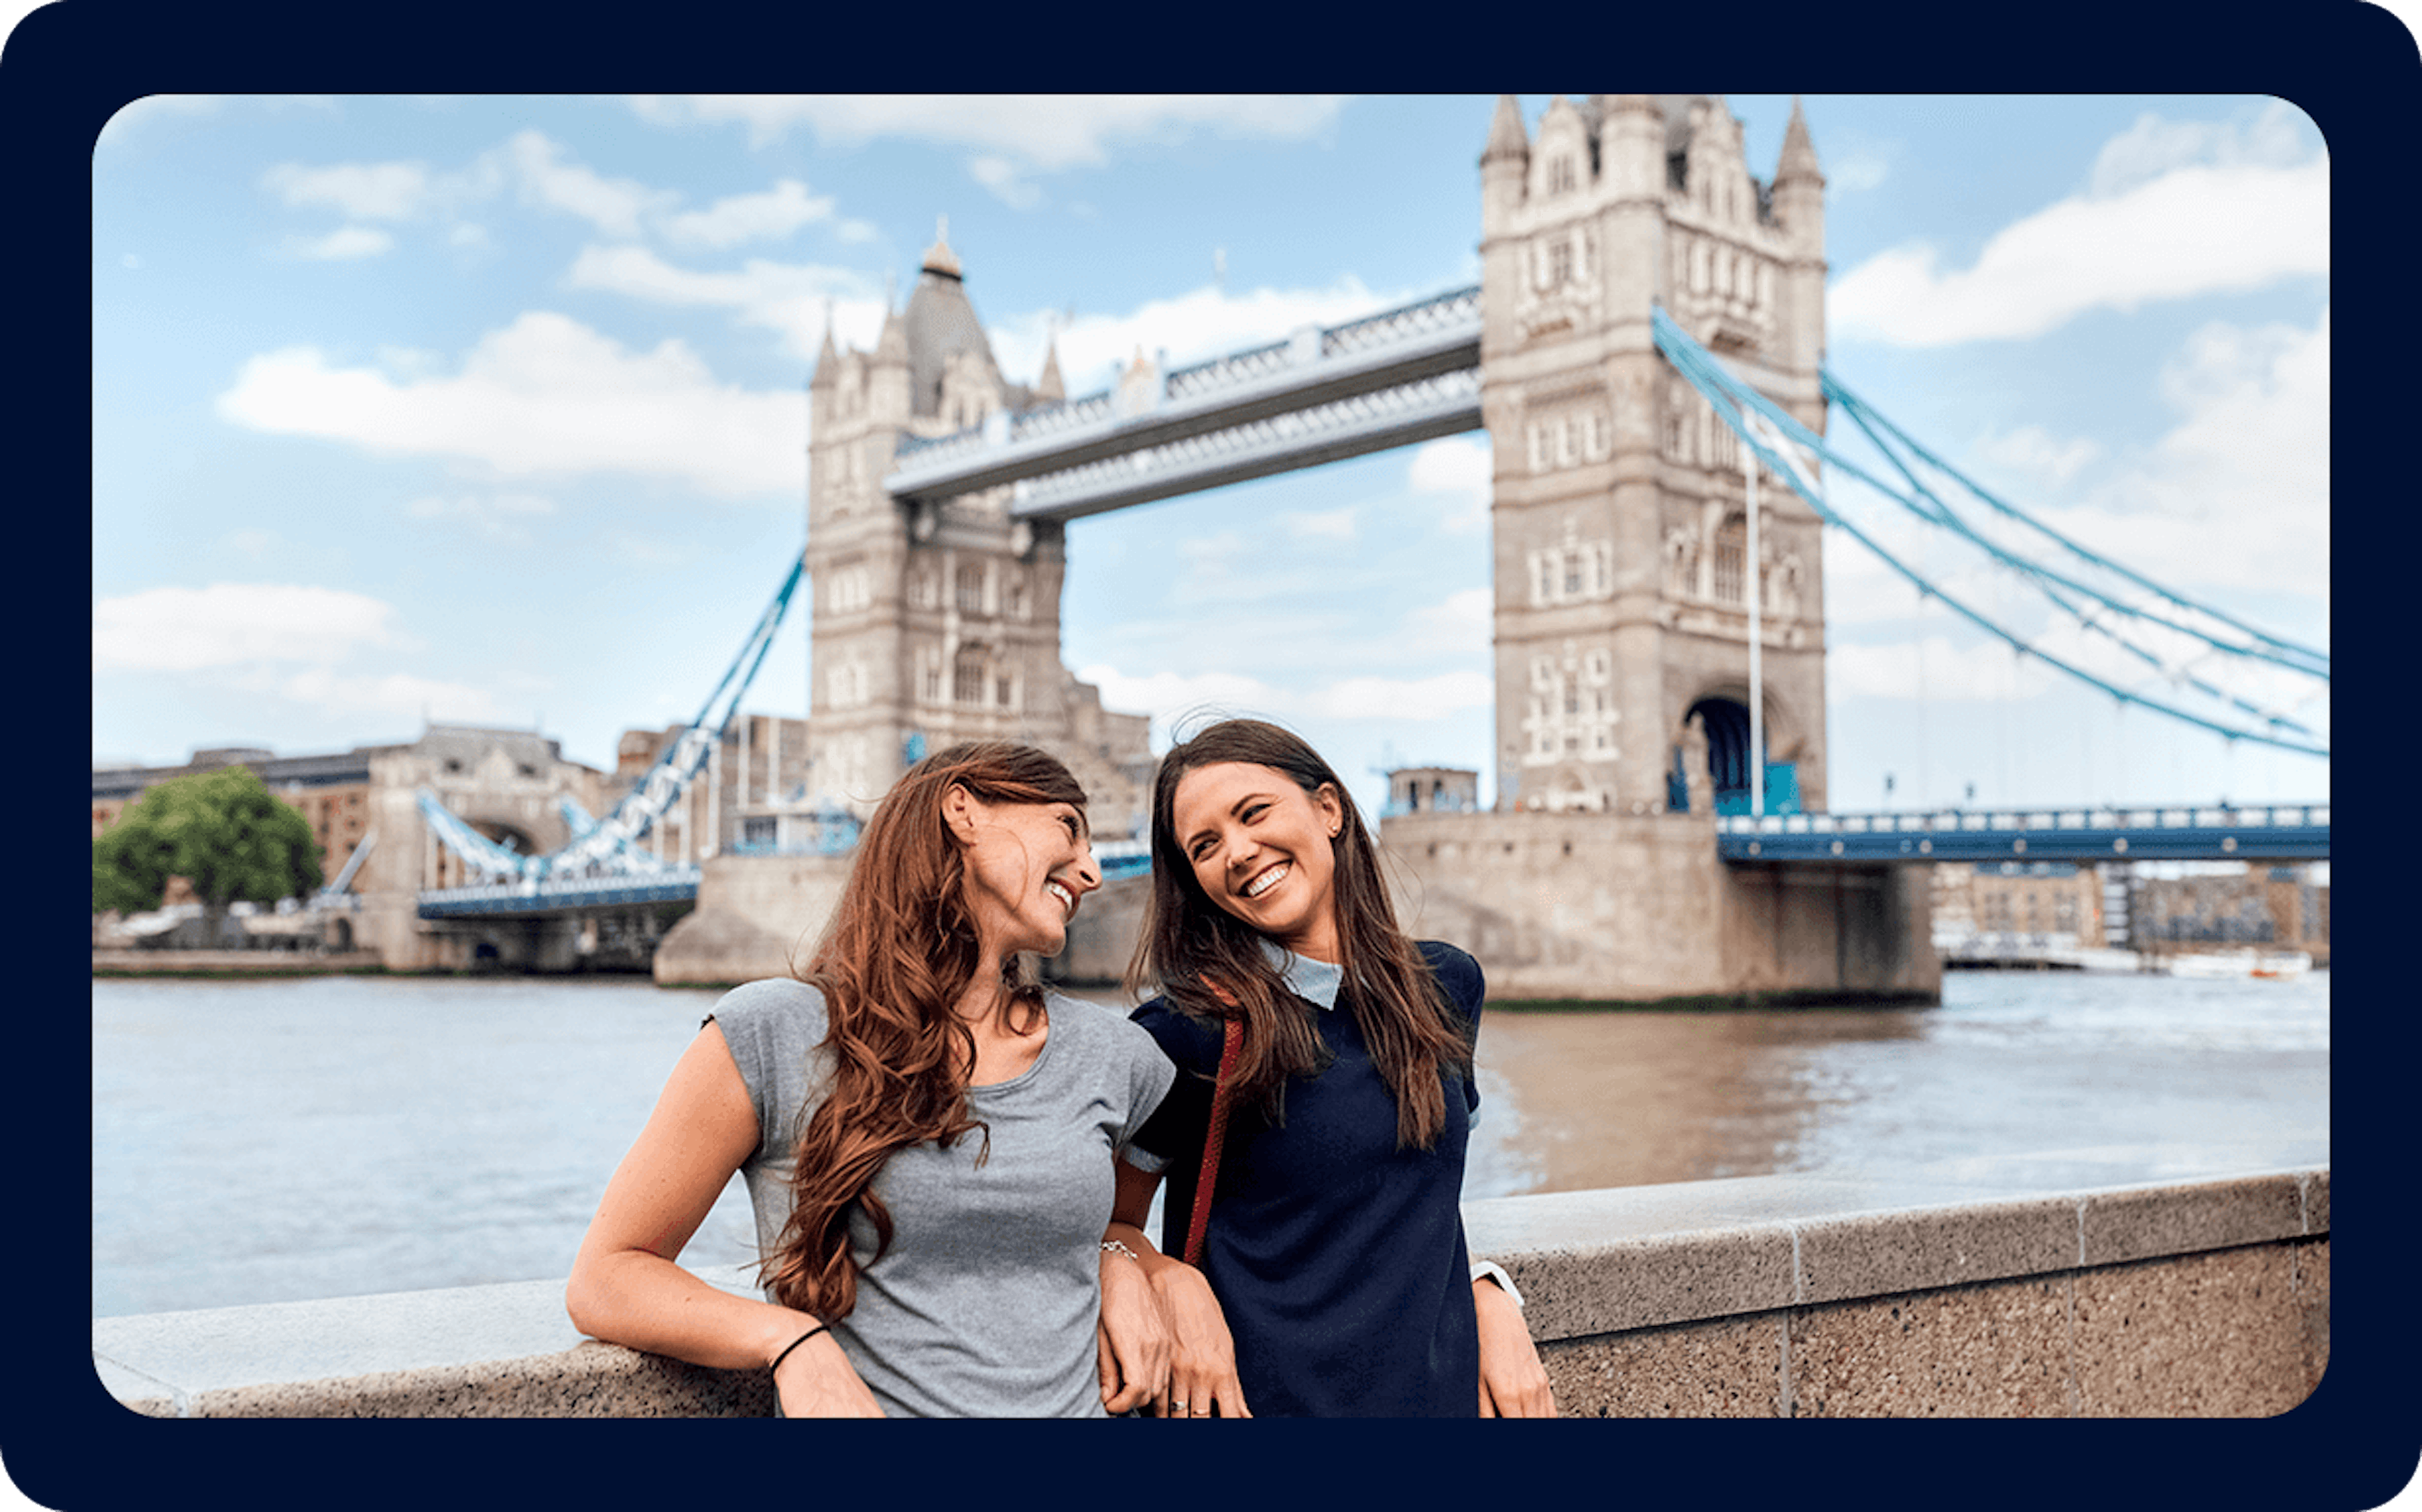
[{"x": 1338, "y": 1259}]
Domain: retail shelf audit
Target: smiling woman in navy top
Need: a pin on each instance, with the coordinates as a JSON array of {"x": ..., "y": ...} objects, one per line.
[{"x": 1333, "y": 1280}]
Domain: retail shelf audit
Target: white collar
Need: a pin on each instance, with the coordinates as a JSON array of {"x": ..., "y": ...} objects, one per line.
[{"x": 1315, "y": 981}]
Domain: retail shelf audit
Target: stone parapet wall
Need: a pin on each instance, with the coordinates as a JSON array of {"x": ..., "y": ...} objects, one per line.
[
  {"x": 1976, "y": 1290},
  {"x": 2083, "y": 1283}
]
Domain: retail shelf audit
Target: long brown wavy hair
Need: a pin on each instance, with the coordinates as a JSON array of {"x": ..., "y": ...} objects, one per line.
[
  {"x": 1189, "y": 942},
  {"x": 899, "y": 951}
]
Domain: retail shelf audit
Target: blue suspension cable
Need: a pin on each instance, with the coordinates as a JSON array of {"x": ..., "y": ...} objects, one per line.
[
  {"x": 1719, "y": 390},
  {"x": 2045, "y": 579},
  {"x": 1859, "y": 409}
]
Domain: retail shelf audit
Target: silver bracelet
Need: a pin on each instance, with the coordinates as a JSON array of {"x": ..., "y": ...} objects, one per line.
[{"x": 1112, "y": 1246}]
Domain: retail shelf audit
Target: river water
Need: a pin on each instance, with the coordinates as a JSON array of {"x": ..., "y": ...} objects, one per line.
[{"x": 282, "y": 1139}]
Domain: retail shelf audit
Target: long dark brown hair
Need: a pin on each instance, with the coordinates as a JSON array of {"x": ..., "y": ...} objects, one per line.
[
  {"x": 899, "y": 951},
  {"x": 1189, "y": 942}
]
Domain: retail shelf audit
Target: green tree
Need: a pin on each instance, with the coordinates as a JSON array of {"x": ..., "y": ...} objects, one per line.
[{"x": 226, "y": 834}]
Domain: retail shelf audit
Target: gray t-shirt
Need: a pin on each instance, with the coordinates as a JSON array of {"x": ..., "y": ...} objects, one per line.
[{"x": 987, "y": 1302}]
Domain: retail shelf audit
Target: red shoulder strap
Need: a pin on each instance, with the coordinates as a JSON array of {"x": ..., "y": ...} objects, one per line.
[{"x": 1231, "y": 1048}]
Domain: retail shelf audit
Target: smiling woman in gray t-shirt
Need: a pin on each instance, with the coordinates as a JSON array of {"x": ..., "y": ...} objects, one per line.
[
  {"x": 986, "y": 1303},
  {"x": 928, "y": 1138}
]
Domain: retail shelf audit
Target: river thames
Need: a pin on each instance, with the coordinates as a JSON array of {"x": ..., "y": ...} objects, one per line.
[{"x": 282, "y": 1140}]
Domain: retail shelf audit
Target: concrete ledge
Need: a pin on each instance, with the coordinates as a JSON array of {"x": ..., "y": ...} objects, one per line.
[{"x": 2079, "y": 1282}]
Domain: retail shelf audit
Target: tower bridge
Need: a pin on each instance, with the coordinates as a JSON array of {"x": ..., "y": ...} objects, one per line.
[{"x": 1645, "y": 350}]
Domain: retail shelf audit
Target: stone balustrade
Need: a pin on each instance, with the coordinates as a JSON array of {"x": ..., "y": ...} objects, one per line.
[{"x": 2103, "y": 1283}]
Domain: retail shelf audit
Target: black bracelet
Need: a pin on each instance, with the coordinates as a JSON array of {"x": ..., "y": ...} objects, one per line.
[{"x": 794, "y": 1344}]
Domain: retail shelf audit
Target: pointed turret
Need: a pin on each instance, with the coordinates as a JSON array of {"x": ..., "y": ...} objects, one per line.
[
  {"x": 1048, "y": 387},
  {"x": 1799, "y": 160},
  {"x": 893, "y": 346},
  {"x": 1504, "y": 166},
  {"x": 1799, "y": 188},
  {"x": 1506, "y": 137},
  {"x": 939, "y": 259},
  {"x": 827, "y": 356},
  {"x": 1799, "y": 208}
]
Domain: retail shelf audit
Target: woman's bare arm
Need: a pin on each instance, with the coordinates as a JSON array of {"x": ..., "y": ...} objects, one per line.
[
  {"x": 1203, "y": 1364},
  {"x": 626, "y": 1287}
]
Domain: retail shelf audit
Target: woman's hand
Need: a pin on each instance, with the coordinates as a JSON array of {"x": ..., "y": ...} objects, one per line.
[
  {"x": 1202, "y": 1371},
  {"x": 1133, "y": 1343},
  {"x": 1512, "y": 1383},
  {"x": 816, "y": 1380}
]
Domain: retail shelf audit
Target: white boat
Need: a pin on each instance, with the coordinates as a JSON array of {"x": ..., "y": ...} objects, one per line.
[{"x": 2267, "y": 964}]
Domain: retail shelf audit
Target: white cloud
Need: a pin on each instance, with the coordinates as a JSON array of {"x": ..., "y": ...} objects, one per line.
[
  {"x": 1169, "y": 698},
  {"x": 2034, "y": 450},
  {"x": 1006, "y": 180},
  {"x": 784, "y": 297},
  {"x": 2153, "y": 146},
  {"x": 364, "y": 191},
  {"x": 493, "y": 516},
  {"x": 615, "y": 205},
  {"x": 542, "y": 173},
  {"x": 1404, "y": 698},
  {"x": 1856, "y": 170},
  {"x": 1192, "y": 327},
  {"x": 344, "y": 244},
  {"x": 1326, "y": 524},
  {"x": 1462, "y": 621},
  {"x": 228, "y": 624},
  {"x": 2175, "y": 211},
  {"x": 1457, "y": 467},
  {"x": 544, "y": 396},
  {"x": 1936, "y": 669},
  {"x": 388, "y": 693},
  {"x": 278, "y": 641},
  {"x": 1050, "y": 132},
  {"x": 2237, "y": 496},
  {"x": 770, "y": 215},
  {"x": 2229, "y": 507}
]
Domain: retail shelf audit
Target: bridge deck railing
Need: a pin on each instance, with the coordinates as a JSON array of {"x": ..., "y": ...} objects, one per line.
[
  {"x": 2176, "y": 832},
  {"x": 2164, "y": 816}
]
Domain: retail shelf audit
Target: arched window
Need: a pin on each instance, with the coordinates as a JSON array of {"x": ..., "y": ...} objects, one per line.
[{"x": 1731, "y": 550}]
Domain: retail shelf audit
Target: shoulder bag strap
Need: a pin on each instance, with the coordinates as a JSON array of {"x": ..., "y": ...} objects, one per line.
[{"x": 1231, "y": 1046}]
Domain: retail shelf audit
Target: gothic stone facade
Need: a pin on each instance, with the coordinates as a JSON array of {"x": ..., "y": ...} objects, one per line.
[
  {"x": 938, "y": 623},
  {"x": 1620, "y": 503}
]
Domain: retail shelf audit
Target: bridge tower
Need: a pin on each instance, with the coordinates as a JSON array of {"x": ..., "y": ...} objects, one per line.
[
  {"x": 1619, "y": 504},
  {"x": 937, "y": 622}
]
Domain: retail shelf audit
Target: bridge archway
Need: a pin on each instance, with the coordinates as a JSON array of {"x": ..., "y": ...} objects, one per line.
[
  {"x": 1725, "y": 713},
  {"x": 512, "y": 836}
]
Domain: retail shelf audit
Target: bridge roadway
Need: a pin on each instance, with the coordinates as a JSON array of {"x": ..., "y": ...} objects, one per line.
[
  {"x": 2298, "y": 832},
  {"x": 1402, "y": 376}
]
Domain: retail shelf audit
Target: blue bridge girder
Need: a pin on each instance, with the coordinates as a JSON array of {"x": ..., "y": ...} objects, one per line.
[
  {"x": 1402, "y": 376},
  {"x": 2284, "y": 833},
  {"x": 560, "y": 895}
]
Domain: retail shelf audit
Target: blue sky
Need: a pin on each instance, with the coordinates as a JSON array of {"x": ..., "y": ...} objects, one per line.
[{"x": 493, "y": 409}]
